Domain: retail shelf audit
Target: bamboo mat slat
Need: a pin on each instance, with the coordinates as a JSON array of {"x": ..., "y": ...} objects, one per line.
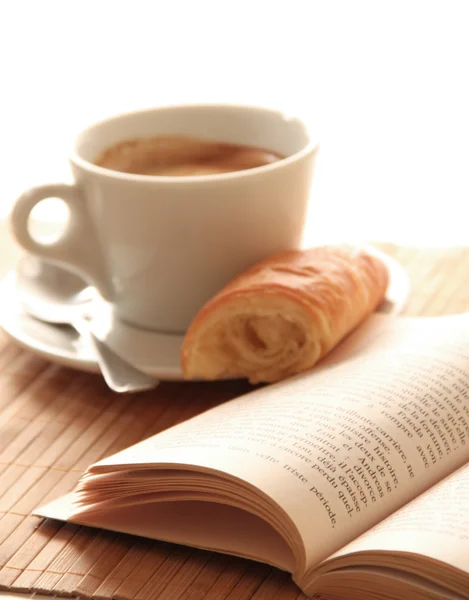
[{"x": 54, "y": 422}]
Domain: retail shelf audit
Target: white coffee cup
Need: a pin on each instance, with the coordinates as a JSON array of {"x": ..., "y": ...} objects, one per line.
[{"x": 159, "y": 247}]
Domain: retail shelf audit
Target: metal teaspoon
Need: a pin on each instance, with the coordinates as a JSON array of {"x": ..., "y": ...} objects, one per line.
[{"x": 53, "y": 295}]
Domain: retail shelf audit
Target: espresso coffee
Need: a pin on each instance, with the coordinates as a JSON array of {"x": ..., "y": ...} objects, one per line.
[{"x": 179, "y": 156}]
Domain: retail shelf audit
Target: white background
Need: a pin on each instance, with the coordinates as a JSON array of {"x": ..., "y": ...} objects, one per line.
[{"x": 386, "y": 81}]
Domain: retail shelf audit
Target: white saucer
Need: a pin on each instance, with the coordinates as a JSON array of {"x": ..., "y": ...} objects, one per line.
[{"x": 155, "y": 353}]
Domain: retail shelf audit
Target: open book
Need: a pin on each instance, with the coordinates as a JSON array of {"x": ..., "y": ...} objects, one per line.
[{"x": 351, "y": 477}]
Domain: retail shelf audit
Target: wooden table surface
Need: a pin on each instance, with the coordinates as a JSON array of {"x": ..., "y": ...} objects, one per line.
[{"x": 55, "y": 421}]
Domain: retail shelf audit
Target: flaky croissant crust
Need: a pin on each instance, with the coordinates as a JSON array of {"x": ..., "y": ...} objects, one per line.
[{"x": 283, "y": 314}]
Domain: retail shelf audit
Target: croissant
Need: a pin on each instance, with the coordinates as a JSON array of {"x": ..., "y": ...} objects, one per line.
[{"x": 283, "y": 314}]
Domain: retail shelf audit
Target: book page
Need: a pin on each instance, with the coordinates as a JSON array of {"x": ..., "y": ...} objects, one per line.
[
  {"x": 342, "y": 447},
  {"x": 203, "y": 524},
  {"x": 435, "y": 525}
]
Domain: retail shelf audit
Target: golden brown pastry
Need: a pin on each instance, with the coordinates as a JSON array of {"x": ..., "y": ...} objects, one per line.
[{"x": 283, "y": 314}]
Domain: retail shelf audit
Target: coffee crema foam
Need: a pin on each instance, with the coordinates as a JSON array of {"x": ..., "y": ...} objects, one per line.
[{"x": 179, "y": 156}]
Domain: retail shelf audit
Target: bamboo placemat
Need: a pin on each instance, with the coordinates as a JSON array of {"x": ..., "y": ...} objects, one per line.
[{"x": 54, "y": 422}]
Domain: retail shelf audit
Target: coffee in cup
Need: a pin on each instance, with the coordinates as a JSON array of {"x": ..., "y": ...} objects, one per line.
[{"x": 178, "y": 156}]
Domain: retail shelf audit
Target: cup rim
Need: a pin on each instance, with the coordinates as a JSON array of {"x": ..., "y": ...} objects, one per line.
[{"x": 311, "y": 146}]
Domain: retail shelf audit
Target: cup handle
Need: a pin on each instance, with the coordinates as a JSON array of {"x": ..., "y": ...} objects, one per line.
[{"x": 77, "y": 248}]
